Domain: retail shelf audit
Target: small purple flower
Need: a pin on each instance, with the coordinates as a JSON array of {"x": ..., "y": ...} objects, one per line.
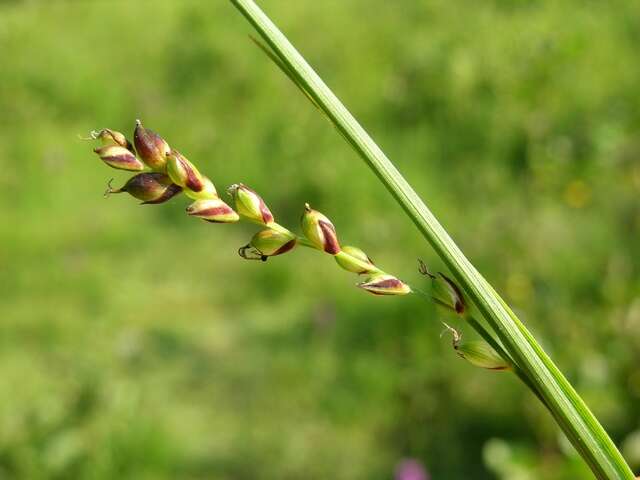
[{"x": 411, "y": 469}]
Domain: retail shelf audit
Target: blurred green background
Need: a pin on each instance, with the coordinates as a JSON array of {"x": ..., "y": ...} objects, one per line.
[{"x": 135, "y": 343}]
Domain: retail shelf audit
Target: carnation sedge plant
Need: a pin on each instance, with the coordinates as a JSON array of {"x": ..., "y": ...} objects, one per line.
[{"x": 506, "y": 344}]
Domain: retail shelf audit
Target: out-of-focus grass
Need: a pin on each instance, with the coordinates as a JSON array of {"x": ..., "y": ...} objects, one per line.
[{"x": 134, "y": 343}]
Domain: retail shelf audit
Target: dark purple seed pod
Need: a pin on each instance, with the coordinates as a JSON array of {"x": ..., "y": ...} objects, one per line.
[
  {"x": 150, "y": 187},
  {"x": 151, "y": 147}
]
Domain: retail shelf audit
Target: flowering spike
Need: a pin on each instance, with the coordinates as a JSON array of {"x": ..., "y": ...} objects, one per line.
[
  {"x": 151, "y": 188},
  {"x": 119, "y": 157},
  {"x": 250, "y": 205},
  {"x": 268, "y": 243},
  {"x": 151, "y": 147},
  {"x": 355, "y": 260},
  {"x": 213, "y": 210},
  {"x": 319, "y": 230},
  {"x": 385, "y": 284},
  {"x": 183, "y": 172}
]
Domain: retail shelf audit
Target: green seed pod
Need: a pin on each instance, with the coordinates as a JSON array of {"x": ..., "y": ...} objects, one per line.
[
  {"x": 151, "y": 188},
  {"x": 319, "y": 230},
  {"x": 208, "y": 191},
  {"x": 112, "y": 137},
  {"x": 385, "y": 284},
  {"x": 478, "y": 352},
  {"x": 481, "y": 354},
  {"x": 447, "y": 293},
  {"x": 444, "y": 291},
  {"x": 268, "y": 243},
  {"x": 213, "y": 210},
  {"x": 183, "y": 172},
  {"x": 119, "y": 157},
  {"x": 355, "y": 260},
  {"x": 250, "y": 205},
  {"x": 151, "y": 147}
]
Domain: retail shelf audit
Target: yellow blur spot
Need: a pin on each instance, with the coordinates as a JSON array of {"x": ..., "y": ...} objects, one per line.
[
  {"x": 633, "y": 383},
  {"x": 577, "y": 194},
  {"x": 519, "y": 287},
  {"x": 635, "y": 177}
]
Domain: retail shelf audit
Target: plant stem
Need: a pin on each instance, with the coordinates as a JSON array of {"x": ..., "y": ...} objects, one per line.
[{"x": 575, "y": 418}]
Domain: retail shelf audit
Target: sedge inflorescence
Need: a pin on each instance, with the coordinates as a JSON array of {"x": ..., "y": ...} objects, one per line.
[{"x": 162, "y": 172}]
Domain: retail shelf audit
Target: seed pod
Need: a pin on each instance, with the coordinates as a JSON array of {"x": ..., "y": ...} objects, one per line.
[
  {"x": 268, "y": 243},
  {"x": 151, "y": 188},
  {"x": 213, "y": 210},
  {"x": 355, "y": 260},
  {"x": 119, "y": 157},
  {"x": 112, "y": 137},
  {"x": 478, "y": 352},
  {"x": 444, "y": 291},
  {"x": 447, "y": 293},
  {"x": 384, "y": 284},
  {"x": 208, "y": 191},
  {"x": 250, "y": 205},
  {"x": 319, "y": 230},
  {"x": 481, "y": 354},
  {"x": 183, "y": 172},
  {"x": 151, "y": 147}
]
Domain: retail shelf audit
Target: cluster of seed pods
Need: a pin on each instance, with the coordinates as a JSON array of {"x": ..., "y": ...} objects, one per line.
[{"x": 163, "y": 173}]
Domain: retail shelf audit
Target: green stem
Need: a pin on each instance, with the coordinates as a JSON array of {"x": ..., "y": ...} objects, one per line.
[
  {"x": 306, "y": 243},
  {"x": 575, "y": 418}
]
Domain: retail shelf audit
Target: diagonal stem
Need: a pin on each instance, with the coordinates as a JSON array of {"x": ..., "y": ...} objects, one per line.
[{"x": 573, "y": 415}]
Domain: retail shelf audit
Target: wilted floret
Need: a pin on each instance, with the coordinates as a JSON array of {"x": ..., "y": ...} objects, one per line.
[
  {"x": 150, "y": 187},
  {"x": 250, "y": 205},
  {"x": 213, "y": 210},
  {"x": 151, "y": 147},
  {"x": 444, "y": 291},
  {"x": 119, "y": 157},
  {"x": 319, "y": 230},
  {"x": 268, "y": 243},
  {"x": 384, "y": 284}
]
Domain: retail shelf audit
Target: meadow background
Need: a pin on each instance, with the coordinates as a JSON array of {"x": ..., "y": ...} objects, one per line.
[{"x": 135, "y": 343}]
